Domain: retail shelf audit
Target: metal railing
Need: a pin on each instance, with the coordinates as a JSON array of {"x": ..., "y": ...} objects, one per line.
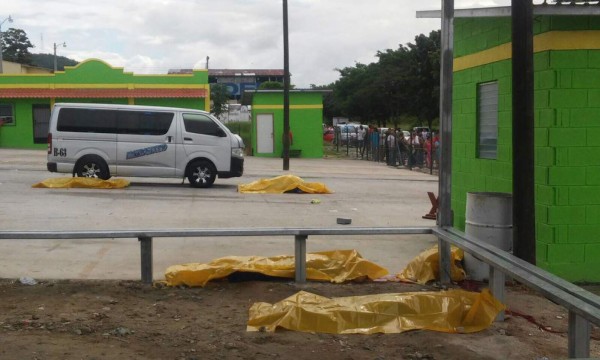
[{"x": 583, "y": 306}]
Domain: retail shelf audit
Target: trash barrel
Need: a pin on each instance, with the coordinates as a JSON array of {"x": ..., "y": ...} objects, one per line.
[{"x": 488, "y": 219}]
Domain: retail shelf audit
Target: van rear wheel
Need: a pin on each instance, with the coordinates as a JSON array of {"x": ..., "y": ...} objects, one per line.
[
  {"x": 92, "y": 167},
  {"x": 202, "y": 174}
]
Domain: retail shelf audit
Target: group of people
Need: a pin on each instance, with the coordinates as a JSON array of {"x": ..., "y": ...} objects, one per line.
[{"x": 390, "y": 145}]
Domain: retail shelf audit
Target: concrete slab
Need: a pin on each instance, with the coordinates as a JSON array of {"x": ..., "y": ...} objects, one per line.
[{"x": 371, "y": 194}]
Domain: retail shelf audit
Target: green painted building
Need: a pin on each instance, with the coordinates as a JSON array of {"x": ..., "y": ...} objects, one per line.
[
  {"x": 26, "y": 99},
  {"x": 306, "y": 123},
  {"x": 567, "y": 129}
]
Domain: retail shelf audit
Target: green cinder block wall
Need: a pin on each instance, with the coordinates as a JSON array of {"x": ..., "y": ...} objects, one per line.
[
  {"x": 306, "y": 121},
  {"x": 567, "y": 140}
]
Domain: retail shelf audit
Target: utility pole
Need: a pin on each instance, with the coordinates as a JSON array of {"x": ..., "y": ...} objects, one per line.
[
  {"x": 286, "y": 90},
  {"x": 523, "y": 130},
  {"x": 64, "y": 44}
]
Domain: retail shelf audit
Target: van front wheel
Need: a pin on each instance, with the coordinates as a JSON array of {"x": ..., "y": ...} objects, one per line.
[
  {"x": 92, "y": 167},
  {"x": 201, "y": 174}
]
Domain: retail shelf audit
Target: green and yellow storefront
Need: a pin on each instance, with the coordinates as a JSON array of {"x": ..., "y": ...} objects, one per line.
[
  {"x": 567, "y": 131},
  {"x": 26, "y": 100}
]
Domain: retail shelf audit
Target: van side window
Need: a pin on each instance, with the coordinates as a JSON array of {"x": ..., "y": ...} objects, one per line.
[
  {"x": 144, "y": 122},
  {"x": 87, "y": 120},
  {"x": 201, "y": 124}
]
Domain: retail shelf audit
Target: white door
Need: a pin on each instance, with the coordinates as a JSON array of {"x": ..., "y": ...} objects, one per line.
[{"x": 264, "y": 133}]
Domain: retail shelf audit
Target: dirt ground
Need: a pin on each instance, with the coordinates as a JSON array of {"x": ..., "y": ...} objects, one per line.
[{"x": 128, "y": 320}]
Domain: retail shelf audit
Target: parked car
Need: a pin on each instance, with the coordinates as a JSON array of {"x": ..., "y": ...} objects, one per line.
[
  {"x": 328, "y": 135},
  {"x": 346, "y": 133}
]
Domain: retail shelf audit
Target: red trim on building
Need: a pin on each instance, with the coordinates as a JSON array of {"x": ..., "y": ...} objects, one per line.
[{"x": 101, "y": 93}]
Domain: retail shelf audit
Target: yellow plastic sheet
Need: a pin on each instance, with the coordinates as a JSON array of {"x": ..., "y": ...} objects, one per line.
[
  {"x": 282, "y": 184},
  {"x": 452, "y": 311},
  {"x": 334, "y": 266},
  {"x": 82, "y": 182},
  {"x": 426, "y": 267}
]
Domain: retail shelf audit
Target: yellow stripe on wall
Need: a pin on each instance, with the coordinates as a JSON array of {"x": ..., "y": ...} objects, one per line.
[
  {"x": 280, "y": 107},
  {"x": 553, "y": 40}
]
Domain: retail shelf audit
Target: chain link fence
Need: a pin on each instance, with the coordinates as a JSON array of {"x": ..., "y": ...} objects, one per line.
[{"x": 414, "y": 152}]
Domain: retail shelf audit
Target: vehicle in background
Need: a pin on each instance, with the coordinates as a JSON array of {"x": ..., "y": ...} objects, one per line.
[
  {"x": 104, "y": 140},
  {"x": 420, "y": 129},
  {"x": 328, "y": 135},
  {"x": 347, "y": 134}
]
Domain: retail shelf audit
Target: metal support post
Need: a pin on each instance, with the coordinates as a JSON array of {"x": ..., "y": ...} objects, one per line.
[
  {"x": 146, "y": 257},
  {"x": 579, "y": 337},
  {"x": 444, "y": 217},
  {"x": 300, "y": 257},
  {"x": 497, "y": 287}
]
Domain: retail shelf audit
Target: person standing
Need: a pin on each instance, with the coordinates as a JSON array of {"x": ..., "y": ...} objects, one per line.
[
  {"x": 391, "y": 146},
  {"x": 375, "y": 144},
  {"x": 360, "y": 135}
]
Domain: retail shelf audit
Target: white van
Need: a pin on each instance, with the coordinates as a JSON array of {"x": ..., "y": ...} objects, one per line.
[{"x": 103, "y": 140}]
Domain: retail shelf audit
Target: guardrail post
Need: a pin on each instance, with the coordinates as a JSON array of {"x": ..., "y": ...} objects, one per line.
[
  {"x": 579, "y": 336},
  {"x": 445, "y": 258},
  {"x": 497, "y": 286},
  {"x": 146, "y": 258},
  {"x": 300, "y": 257}
]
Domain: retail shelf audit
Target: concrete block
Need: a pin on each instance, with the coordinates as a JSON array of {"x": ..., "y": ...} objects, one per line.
[
  {"x": 592, "y": 175},
  {"x": 566, "y": 253},
  {"x": 567, "y": 137},
  {"x": 568, "y": 98},
  {"x": 568, "y": 59},
  {"x": 558, "y": 215},
  {"x": 572, "y": 175}
]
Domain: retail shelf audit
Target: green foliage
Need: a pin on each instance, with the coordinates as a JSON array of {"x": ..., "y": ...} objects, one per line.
[
  {"x": 243, "y": 129},
  {"x": 402, "y": 84},
  {"x": 16, "y": 45},
  {"x": 47, "y": 61},
  {"x": 219, "y": 98},
  {"x": 271, "y": 85}
]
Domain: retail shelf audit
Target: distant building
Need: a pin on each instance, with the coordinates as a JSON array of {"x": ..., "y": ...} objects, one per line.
[
  {"x": 12, "y": 68},
  {"x": 27, "y": 98},
  {"x": 238, "y": 80}
]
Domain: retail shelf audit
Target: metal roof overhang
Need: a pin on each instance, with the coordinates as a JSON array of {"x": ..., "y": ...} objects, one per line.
[{"x": 504, "y": 11}]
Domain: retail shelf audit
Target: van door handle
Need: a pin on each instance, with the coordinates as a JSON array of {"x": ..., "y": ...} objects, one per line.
[
  {"x": 169, "y": 138},
  {"x": 187, "y": 139}
]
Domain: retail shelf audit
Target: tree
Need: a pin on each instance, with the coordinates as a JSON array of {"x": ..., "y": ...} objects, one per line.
[
  {"x": 271, "y": 85},
  {"x": 47, "y": 61},
  {"x": 16, "y": 45},
  {"x": 219, "y": 98},
  {"x": 403, "y": 84}
]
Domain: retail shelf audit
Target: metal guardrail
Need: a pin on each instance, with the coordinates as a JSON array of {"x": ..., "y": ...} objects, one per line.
[{"x": 583, "y": 306}]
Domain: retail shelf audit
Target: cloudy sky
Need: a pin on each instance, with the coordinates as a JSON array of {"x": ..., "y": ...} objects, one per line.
[{"x": 152, "y": 36}]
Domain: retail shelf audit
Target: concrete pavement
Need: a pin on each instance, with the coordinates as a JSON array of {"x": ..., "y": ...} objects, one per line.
[{"x": 371, "y": 194}]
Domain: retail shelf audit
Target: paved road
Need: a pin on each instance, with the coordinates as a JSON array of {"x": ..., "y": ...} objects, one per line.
[{"x": 371, "y": 194}]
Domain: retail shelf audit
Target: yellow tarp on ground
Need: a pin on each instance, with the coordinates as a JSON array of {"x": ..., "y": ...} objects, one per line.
[
  {"x": 426, "y": 267},
  {"x": 452, "y": 311},
  {"x": 335, "y": 266},
  {"x": 82, "y": 182},
  {"x": 282, "y": 184}
]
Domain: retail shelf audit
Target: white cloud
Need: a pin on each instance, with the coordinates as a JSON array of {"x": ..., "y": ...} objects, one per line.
[{"x": 151, "y": 36}]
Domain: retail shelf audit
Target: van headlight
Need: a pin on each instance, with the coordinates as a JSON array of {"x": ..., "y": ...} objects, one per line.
[{"x": 237, "y": 152}]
